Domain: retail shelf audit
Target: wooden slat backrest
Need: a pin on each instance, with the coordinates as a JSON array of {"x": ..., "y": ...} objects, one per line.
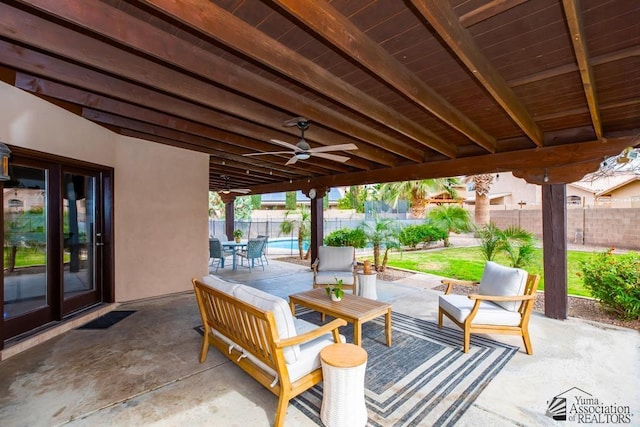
[
  {"x": 531, "y": 287},
  {"x": 251, "y": 328}
]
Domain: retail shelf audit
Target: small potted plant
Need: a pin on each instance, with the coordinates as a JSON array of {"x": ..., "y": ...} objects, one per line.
[
  {"x": 237, "y": 234},
  {"x": 335, "y": 291}
]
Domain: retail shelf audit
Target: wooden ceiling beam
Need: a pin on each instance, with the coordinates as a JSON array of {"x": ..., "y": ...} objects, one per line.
[
  {"x": 539, "y": 158},
  {"x": 216, "y": 158},
  {"x": 75, "y": 75},
  {"x": 334, "y": 27},
  {"x": 574, "y": 22},
  {"x": 215, "y": 22},
  {"x": 570, "y": 68},
  {"x": 220, "y": 140},
  {"x": 127, "y": 123},
  {"x": 488, "y": 10},
  {"x": 441, "y": 16},
  {"x": 98, "y": 17},
  {"x": 35, "y": 31}
]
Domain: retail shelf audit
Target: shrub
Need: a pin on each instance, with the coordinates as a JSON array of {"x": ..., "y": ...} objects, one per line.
[
  {"x": 614, "y": 281},
  {"x": 413, "y": 235},
  {"x": 355, "y": 237}
]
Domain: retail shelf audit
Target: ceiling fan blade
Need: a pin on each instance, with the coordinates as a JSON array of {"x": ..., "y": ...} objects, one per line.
[
  {"x": 285, "y": 144},
  {"x": 292, "y": 160},
  {"x": 339, "y": 147},
  {"x": 267, "y": 152},
  {"x": 240, "y": 190},
  {"x": 333, "y": 157}
]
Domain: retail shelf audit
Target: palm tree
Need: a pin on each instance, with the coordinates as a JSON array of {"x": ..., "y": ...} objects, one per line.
[
  {"x": 417, "y": 192},
  {"x": 483, "y": 186},
  {"x": 303, "y": 223},
  {"x": 379, "y": 233},
  {"x": 518, "y": 244},
  {"x": 451, "y": 218}
]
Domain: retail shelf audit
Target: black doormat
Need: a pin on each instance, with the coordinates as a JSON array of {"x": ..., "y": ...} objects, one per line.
[{"x": 108, "y": 320}]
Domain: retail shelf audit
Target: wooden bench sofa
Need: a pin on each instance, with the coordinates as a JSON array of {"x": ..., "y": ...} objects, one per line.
[{"x": 257, "y": 332}]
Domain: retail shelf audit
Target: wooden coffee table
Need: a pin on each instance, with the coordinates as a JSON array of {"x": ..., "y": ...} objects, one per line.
[{"x": 353, "y": 309}]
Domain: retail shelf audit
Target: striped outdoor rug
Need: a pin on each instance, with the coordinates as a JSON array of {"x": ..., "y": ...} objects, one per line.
[{"x": 423, "y": 379}]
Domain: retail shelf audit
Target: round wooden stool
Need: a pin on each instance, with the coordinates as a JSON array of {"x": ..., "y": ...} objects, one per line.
[{"x": 343, "y": 368}]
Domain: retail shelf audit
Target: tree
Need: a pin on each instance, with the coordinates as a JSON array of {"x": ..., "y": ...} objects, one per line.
[
  {"x": 354, "y": 198},
  {"x": 417, "y": 192},
  {"x": 242, "y": 208},
  {"x": 290, "y": 200},
  {"x": 302, "y": 222},
  {"x": 516, "y": 243},
  {"x": 483, "y": 186},
  {"x": 451, "y": 218},
  {"x": 380, "y": 233},
  {"x": 216, "y": 205}
]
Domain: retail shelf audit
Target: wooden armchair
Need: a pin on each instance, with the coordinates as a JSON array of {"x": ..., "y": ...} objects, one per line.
[
  {"x": 503, "y": 304},
  {"x": 333, "y": 263}
]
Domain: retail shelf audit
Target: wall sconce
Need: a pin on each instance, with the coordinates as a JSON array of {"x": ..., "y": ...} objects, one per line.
[{"x": 5, "y": 153}]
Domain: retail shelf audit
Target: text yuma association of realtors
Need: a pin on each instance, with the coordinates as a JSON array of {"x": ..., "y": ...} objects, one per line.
[{"x": 591, "y": 410}]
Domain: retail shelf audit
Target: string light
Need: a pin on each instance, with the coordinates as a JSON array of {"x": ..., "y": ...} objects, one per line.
[{"x": 546, "y": 177}]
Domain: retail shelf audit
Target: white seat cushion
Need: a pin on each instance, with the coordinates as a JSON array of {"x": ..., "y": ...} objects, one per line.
[
  {"x": 329, "y": 277},
  {"x": 309, "y": 359},
  {"x": 498, "y": 280},
  {"x": 219, "y": 284},
  {"x": 281, "y": 313},
  {"x": 332, "y": 258},
  {"x": 459, "y": 306}
]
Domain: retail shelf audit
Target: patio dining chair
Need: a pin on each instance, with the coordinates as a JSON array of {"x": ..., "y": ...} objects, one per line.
[
  {"x": 264, "y": 247},
  {"x": 216, "y": 253},
  {"x": 252, "y": 253},
  {"x": 502, "y": 305}
]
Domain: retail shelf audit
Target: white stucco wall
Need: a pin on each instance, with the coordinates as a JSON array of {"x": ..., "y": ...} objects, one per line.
[{"x": 161, "y": 198}]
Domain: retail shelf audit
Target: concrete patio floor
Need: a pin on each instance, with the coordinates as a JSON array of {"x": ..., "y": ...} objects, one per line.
[{"x": 145, "y": 371}]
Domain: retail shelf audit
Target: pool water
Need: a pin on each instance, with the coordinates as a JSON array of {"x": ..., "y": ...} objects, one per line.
[{"x": 289, "y": 244}]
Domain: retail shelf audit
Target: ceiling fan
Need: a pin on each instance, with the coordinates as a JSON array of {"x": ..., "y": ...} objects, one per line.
[
  {"x": 302, "y": 150},
  {"x": 228, "y": 190}
]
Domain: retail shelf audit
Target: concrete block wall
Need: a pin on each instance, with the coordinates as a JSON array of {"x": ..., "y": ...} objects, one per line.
[{"x": 616, "y": 227}]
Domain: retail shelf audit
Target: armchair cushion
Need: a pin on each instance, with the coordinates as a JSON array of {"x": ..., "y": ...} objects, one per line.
[
  {"x": 335, "y": 258},
  {"x": 489, "y": 313},
  {"x": 281, "y": 313},
  {"x": 498, "y": 280},
  {"x": 219, "y": 284},
  {"x": 329, "y": 277}
]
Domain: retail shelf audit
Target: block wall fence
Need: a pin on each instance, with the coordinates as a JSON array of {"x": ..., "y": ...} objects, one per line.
[{"x": 606, "y": 227}]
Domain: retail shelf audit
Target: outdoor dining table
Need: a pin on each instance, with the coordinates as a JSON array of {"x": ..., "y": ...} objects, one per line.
[{"x": 235, "y": 246}]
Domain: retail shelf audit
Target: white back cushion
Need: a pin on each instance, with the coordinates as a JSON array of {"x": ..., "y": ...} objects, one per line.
[
  {"x": 335, "y": 258},
  {"x": 499, "y": 280},
  {"x": 219, "y": 284},
  {"x": 281, "y": 313}
]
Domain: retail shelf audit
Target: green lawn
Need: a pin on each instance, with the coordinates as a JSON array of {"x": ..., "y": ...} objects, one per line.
[{"x": 467, "y": 264}]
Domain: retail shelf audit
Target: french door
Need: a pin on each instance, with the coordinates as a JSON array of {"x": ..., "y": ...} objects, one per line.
[{"x": 57, "y": 245}]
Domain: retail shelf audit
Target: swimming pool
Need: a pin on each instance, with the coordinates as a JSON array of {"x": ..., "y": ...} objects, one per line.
[{"x": 287, "y": 244}]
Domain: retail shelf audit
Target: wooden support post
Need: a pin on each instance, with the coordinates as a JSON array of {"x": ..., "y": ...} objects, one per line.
[
  {"x": 554, "y": 236},
  {"x": 229, "y": 214},
  {"x": 317, "y": 222}
]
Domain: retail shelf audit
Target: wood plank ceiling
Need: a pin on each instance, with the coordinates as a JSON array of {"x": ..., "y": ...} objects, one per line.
[{"x": 424, "y": 88}]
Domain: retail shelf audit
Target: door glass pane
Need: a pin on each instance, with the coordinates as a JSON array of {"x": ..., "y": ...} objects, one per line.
[
  {"x": 79, "y": 239},
  {"x": 25, "y": 241}
]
